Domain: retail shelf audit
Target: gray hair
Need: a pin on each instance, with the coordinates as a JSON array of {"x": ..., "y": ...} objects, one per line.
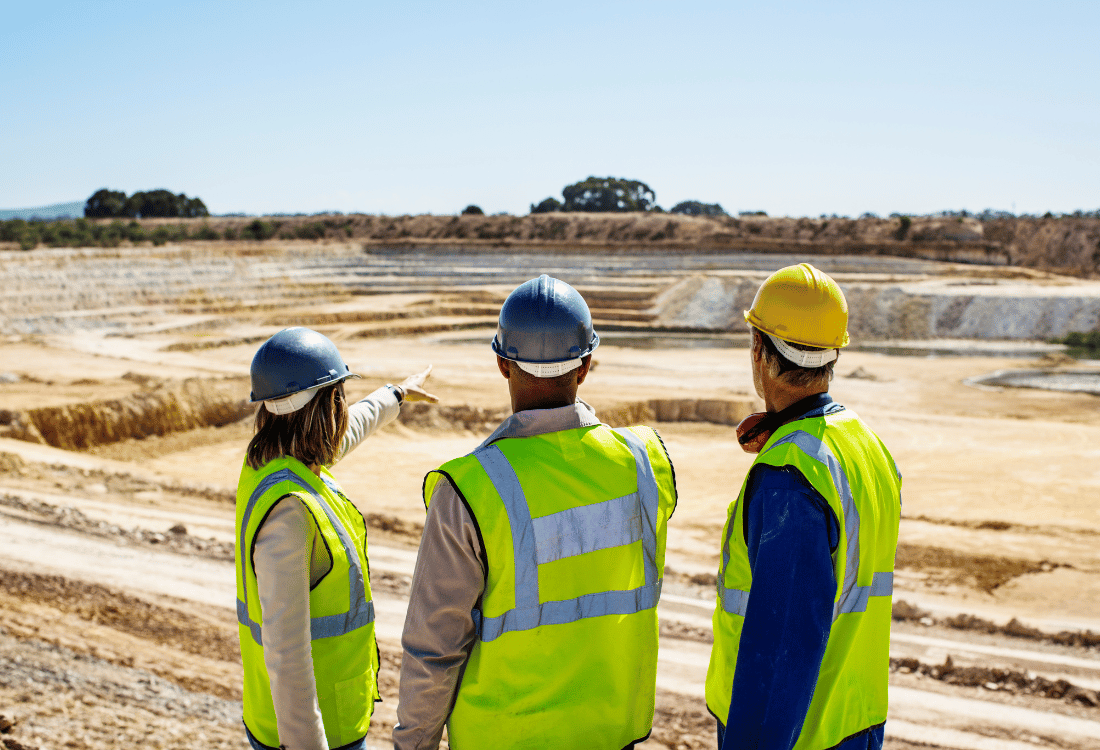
[{"x": 781, "y": 368}]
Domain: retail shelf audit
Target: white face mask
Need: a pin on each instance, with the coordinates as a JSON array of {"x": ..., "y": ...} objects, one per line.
[
  {"x": 801, "y": 357},
  {"x": 291, "y": 403},
  {"x": 549, "y": 369}
]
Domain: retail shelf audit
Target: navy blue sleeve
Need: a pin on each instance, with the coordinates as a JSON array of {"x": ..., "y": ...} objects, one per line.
[{"x": 791, "y": 532}]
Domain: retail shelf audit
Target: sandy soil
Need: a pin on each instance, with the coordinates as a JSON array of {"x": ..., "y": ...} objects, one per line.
[{"x": 116, "y": 581}]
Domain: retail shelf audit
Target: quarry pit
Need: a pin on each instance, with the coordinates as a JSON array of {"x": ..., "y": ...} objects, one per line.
[{"x": 124, "y": 414}]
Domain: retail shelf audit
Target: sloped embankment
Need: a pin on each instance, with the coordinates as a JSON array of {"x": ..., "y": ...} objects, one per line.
[
  {"x": 179, "y": 406},
  {"x": 715, "y": 411},
  {"x": 162, "y": 408}
]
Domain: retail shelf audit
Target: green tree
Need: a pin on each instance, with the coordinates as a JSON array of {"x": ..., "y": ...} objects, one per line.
[
  {"x": 472, "y": 210},
  {"x": 104, "y": 204},
  {"x": 608, "y": 194},
  {"x": 698, "y": 208},
  {"x": 546, "y": 206},
  {"x": 163, "y": 203}
]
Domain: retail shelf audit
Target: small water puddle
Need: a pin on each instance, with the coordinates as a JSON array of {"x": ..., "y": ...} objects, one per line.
[{"x": 1072, "y": 381}]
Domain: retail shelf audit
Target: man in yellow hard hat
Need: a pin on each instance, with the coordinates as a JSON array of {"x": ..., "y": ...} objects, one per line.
[{"x": 802, "y": 623}]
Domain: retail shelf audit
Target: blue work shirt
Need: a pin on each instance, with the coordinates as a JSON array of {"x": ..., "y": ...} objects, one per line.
[{"x": 791, "y": 533}]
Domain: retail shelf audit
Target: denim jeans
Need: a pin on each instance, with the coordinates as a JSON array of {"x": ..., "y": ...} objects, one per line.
[{"x": 872, "y": 739}]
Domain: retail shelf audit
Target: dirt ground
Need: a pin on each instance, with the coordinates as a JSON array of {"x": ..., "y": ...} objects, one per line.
[{"x": 116, "y": 584}]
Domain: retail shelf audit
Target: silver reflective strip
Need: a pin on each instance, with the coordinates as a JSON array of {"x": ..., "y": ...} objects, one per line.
[
  {"x": 737, "y": 607},
  {"x": 326, "y": 626},
  {"x": 330, "y": 626},
  {"x": 650, "y": 500},
  {"x": 602, "y": 603},
  {"x": 588, "y": 528},
  {"x": 572, "y": 537},
  {"x": 882, "y": 584},
  {"x": 734, "y": 601},
  {"x": 853, "y": 598},
  {"x": 506, "y": 483},
  {"x": 266, "y": 484}
]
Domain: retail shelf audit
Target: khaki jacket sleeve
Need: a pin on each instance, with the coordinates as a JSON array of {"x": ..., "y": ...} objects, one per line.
[
  {"x": 439, "y": 634},
  {"x": 367, "y": 416}
]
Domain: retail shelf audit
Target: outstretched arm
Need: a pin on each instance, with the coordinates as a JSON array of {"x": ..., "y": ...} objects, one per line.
[{"x": 381, "y": 407}]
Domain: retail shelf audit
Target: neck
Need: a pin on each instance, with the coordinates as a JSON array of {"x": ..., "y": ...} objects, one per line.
[
  {"x": 780, "y": 396},
  {"x": 526, "y": 402}
]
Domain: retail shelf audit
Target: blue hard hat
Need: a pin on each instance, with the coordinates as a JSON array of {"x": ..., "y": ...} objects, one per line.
[
  {"x": 544, "y": 320},
  {"x": 293, "y": 360}
]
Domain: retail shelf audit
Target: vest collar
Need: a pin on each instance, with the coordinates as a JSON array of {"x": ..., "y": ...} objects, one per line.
[
  {"x": 541, "y": 421},
  {"x": 754, "y": 430}
]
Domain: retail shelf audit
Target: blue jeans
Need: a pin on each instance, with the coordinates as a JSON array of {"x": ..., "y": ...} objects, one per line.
[
  {"x": 257, "y": 745},
  {"x": 871, "y": 739}
]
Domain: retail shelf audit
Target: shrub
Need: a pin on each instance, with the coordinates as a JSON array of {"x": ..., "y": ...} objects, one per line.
[
  {"x": 160, "y": 235},
  {"x": 1087, "y": 340},
  {"x": 258, "y": 230},
  {"x": 314, "y": 230},
  {"x": 205, "y": 232},
  {"x": 472, "y": 210}
]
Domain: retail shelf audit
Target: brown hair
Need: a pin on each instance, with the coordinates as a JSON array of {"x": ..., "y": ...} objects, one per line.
[
  {"x": 779, "y": 367},
  {"x": 312, "y": 434}
]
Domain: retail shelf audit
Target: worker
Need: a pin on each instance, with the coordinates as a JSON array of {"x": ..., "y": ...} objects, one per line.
[
  {"x": 802, "y": 623},
  {"x": 306, "y": 619},
  {"x": 532, "y": 618}
]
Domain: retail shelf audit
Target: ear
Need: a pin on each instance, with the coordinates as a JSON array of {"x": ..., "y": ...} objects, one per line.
[
  {"x": 504, "y": 366},
  {"x": 582, "y": 371},
  {"x": 757, "y": 345}
]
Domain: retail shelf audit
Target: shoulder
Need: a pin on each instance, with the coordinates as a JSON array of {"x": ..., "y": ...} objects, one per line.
[
  {"x": 653, "y": 441},
  {"x": 768, "y": 484}
]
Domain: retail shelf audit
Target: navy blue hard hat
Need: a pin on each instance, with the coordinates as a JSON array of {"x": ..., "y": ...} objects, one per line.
[
  {"x": 544, "y": 320},
  {"x": 293, "y": 360}
]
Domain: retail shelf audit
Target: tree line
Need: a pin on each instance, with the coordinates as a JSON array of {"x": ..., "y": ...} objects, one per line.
[
  {"x": 144, "y": 204},
  {"x": 617, "y": 195}
]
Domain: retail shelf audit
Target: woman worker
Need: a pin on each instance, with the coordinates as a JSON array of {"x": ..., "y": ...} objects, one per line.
[{"x": 306, "y": 619}]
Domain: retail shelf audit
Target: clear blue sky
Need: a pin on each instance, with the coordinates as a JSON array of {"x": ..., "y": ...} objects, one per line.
[{"x": 797, "y": 108}]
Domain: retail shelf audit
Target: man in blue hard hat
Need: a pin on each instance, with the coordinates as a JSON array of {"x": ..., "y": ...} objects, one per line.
[{"x": 532, "y": 618}]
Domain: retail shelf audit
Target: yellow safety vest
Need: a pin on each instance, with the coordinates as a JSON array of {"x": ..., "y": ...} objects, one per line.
[
  {"x": 851, "y": 468},
  {"x": 574, "y": 526},
  {"x": 345, "y": 655}
]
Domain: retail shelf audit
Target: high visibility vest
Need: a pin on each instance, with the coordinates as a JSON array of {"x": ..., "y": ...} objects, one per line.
[
  {"x": 345, "y": 656},
  {"x": 851, "y": 468},
  {"x": 574, "y": 526}
]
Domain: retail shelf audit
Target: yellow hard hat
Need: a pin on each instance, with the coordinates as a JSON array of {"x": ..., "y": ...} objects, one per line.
[{"x": 802, "y": 305}]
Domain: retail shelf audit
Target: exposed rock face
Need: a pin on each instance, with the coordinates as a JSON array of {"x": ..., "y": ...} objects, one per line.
[
  {"x": 911, "y": 310},
  {"x": 169, "y": 407}
]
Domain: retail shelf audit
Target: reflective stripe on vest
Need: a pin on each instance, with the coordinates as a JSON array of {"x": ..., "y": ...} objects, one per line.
[
  {"x": 328, "y": 626},
  {"x": 568, "y": 533},
  {"x": 853, "y": 598}
]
